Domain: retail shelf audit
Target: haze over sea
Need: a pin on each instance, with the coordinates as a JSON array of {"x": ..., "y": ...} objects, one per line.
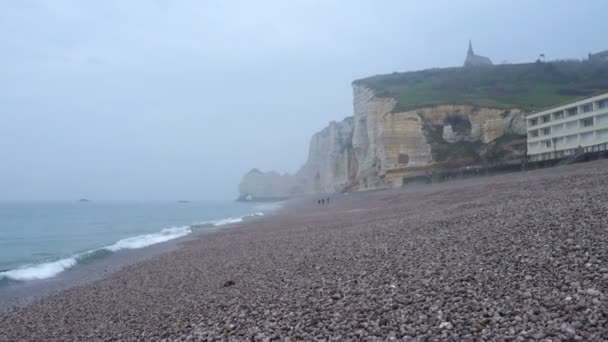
[{"x": 39, "y": 240}]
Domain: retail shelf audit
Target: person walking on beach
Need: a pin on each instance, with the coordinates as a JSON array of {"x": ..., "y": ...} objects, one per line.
[
  {"x": 322, "y": 201},
  {"x": 328, "y": 200}
]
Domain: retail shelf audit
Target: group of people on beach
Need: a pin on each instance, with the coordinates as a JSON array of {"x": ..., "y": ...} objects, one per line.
[{"x": 323, "y": 201}]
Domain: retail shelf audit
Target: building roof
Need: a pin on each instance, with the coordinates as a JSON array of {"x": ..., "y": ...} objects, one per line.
[
  {"x": 601, "y": 54},
  {"x": 568, "y": 103}
]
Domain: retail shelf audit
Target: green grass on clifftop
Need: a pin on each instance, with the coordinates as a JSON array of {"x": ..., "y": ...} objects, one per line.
[{"x": 526, "y": 86}]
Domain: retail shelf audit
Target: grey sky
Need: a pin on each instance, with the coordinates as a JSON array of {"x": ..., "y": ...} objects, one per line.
[{"x": 164, "y": 99}]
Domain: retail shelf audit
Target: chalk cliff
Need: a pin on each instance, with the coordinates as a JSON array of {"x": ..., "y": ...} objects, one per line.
[
  {"x": 266, "y": 186},
  {"x": 377, "y": 147},
  {"x": 331, "y": 165}
]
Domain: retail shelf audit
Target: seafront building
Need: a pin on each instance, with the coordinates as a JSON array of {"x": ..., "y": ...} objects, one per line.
[{"x": 567, "y": 129}]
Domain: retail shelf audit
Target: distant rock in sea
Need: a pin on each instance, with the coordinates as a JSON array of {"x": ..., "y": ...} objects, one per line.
[{"x": 83, "y": 200}]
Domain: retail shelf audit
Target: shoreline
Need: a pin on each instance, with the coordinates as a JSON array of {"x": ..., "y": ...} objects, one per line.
[
  {"x": 19, "y": 294},
  {"x": 15, "y": 294},
  {"x": 505, "y": 257}
]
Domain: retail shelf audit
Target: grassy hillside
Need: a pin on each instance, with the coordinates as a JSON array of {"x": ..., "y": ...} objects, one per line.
[{"x": 526, "y": 86}]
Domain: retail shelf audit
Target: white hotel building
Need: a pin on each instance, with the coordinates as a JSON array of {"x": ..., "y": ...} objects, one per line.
[{"x": 557, "y": 132}]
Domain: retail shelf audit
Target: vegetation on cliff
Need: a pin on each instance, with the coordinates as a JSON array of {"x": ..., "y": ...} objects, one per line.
[{"x": 526, "y": 86}]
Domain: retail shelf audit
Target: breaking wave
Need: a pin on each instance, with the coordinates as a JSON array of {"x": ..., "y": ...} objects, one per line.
[
  {"x": 39, "y": 271},
  {"x": 51, "y": 269},
  {"x": 146, "y": 240}
]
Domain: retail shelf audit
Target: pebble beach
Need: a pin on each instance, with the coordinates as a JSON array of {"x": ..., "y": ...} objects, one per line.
[{"x": 513, "y": 257}]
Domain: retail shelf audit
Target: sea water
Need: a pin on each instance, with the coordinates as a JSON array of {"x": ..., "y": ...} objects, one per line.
[{"x": 39, "y": 240}]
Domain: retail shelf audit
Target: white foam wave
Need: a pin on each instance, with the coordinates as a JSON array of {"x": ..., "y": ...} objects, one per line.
[
  {"x": 226, "y": 221},
  {"x": 39, "y": 271},
  {"x": 230, "y": 220},
  {"x": 51, "y": 269},
  {"x": 141, "y": 241}
]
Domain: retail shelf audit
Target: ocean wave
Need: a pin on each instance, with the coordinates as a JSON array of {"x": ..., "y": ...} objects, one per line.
[
  {"x": 223, "y": 222},
  {"x": 51, "y": 269},
  {"x": 40, "y": 271},
  {"x": 227, "y": 221},
  {"x": 146, "y": 240}
]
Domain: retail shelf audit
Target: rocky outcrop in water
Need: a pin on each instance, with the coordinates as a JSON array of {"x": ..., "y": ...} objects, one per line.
[
  {"x": 378, "y": 147},
  {"x": 266, "y": 186}
]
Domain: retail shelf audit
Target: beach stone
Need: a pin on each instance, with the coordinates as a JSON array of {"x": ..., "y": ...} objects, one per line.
[
  {"x": 445, "y": 325},
  {"x": 593, "y": 292},
  {"x": 567, "y": 329},
  {"x": 481, "y": 259}
]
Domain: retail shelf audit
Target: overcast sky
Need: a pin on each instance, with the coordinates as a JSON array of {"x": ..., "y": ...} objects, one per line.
[{"x": 143, "y": 99}]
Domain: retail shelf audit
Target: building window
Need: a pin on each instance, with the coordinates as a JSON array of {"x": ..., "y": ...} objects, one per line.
[
  {"x": 586, "y": 108},
  {"x": 572, "y": 111},
  {"x": 557, "y": 128},
  {"x": 572, "y": 139},
  {"x": 534, "y": 133},
  {"x": 587, "y": 122},
  {"x": 547, "y": 143},
  {"x": 546, "y": 118},
  {"x": 586, "y": 137},
  {"x": 558, "y": 115},
  {"x": 571, "y": 125},
  {"x": 546, "y": 130},
  {"x": 602, "y": 104},
  {"x": 533, "y": 122}
]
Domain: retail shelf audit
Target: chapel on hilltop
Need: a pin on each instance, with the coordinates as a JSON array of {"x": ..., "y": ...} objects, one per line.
[{"x": 475, "y": 60}]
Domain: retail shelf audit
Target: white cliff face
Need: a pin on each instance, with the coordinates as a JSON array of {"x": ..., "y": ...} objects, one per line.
[
  {"x": 261, "y": 186},
  {"x": 403, "y": 141},
  {"x": 369, "y": 112},
  {"x": 486, "y": 124},
  {"x": 515, "y": 122},
  {"x": 330, "y": 166},
  {"x": 450, "y": 135},
  {"x": 377, "y": 147},
  {"x": 389, "y": 145}
]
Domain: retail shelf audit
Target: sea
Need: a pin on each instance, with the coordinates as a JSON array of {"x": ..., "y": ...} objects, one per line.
[{"x": 40, "y": 240}]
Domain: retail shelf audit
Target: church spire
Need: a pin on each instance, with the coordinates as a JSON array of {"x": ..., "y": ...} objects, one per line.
[{"x": 473, "y": 59}]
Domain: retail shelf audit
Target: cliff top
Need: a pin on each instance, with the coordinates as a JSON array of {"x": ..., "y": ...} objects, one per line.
[{"x": 528, "y": 86}]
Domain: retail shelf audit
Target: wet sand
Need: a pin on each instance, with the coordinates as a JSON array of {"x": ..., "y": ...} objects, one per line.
[{"x": 513, "y": 257}]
